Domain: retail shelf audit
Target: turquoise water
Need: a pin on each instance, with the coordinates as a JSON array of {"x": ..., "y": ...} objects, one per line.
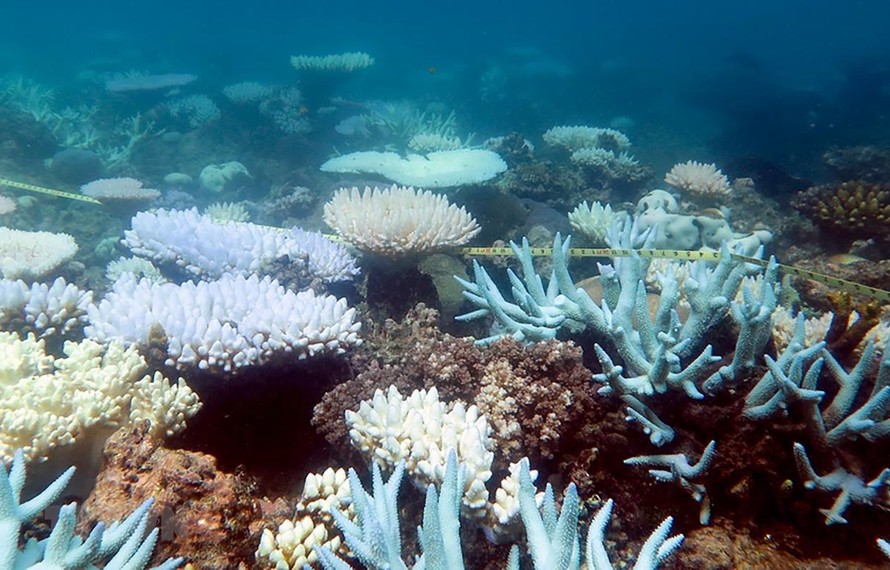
[{"x": 176, "y": 145}]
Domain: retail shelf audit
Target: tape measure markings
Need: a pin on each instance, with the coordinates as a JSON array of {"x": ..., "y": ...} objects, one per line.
[
  {"x": 49, "y": 191},
  {"x": 829, "y": 280},
  {"x": 837, "y": 282}
]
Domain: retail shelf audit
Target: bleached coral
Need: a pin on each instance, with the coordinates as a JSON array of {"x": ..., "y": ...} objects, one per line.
[
  {"x": 430, "y": 142},
  {"x": 7, "y": 205},
  {"x": 208, "y": 249},
  {"x": 577, "y": 137},
  {"x": 246, "y": 92},
  {"x": 138, "y": 266},
  {"x": 225, "y": 324},
  {"x": 293, "y": 545},
  {"x": 223, "y": 212},
  {"x": 196, "y": 110},
  {"x": 398, "y": 221},
  {"x": 349, "y": 61},
  {"x": 42, "y": 309},
  {"x": 118, "y": 189},
  {"x": 439, "y": 169},
  {"x": 419, "y": 430},
  {"x": 698, "y": 178},
  {"x": 122, "y": 544},
  {"x": 593, "y": 220},
  {"x": 47, "y": 403},
  {"x": 30, "y": 255},
  {"x": 785, "y": 322}
]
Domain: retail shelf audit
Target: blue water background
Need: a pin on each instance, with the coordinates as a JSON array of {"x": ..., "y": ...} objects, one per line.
[{"x": 774, "y": 78}]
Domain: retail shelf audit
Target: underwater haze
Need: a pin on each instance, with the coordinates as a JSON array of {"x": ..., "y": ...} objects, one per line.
[{"x": 781, "y": 79}]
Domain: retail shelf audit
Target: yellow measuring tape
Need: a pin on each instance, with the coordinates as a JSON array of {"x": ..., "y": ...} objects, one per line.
[
  {"x": 48, "y": 191},
  {"x": 834, "y": 282},
  {"x": 837, "y": 283}
]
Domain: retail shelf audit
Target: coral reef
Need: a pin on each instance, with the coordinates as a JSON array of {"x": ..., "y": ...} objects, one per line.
[
  {"x": 398, "y": 221},
  {"x": 123, "y": 544},
  {"x": 223, "y": 325},
  {"x": 32, "y": 255},
  {"x": 855, "y": 209},
  {"x": 205, "y": 515},
  {"x": 869, "y": 163},
  {"x": 530, "y": 394},
  {"x": 82, "y": 397}
]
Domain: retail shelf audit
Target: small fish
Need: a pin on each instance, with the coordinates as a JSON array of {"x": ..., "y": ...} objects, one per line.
[
  {"x": 844, "y": 259},
  {"x": 714, "y": 213},
  {"x": 431, "y": 70}
]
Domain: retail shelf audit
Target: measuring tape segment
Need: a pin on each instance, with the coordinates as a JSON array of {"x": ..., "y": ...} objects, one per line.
[
  {"x": 49, "y": 191},
  {"x": 835, "y": 282}
]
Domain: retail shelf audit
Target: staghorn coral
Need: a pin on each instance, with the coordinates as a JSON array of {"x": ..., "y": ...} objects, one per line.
[{"x": 855, "y": 209}]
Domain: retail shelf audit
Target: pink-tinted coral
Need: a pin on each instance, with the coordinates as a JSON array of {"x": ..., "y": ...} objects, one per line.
[{"x": 204, "y": 514}]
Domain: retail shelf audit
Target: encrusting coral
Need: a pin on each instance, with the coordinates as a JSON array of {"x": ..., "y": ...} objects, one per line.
[
  {"x": 205, "y": 514},
  {"x": 123, "y": 544}
]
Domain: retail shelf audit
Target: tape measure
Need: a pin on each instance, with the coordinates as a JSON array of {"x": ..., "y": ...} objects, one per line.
[
  {"x": 834, "y": 282},
  {"x": 48, "y": 191}
]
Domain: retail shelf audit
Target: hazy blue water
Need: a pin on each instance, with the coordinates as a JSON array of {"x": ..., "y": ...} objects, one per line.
[{"x": 810, "y": 73}]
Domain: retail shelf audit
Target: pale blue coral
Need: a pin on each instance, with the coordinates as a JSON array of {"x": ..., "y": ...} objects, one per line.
[{"x": 122, "y": 545}]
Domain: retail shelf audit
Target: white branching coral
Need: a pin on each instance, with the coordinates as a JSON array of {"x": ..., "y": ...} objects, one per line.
[
  {"x": 785, "y": 322},
  {"x": 226, "y": 324},
  {"x": 698, "y": 178},
  {"x": 398, "y": 221},
  {"x": 138, "y": 266},
  {"x": 224, "y": 212},
  {"x": 431, "y": 142},
  {"x": 209, "y": 249},
  {"x": 29, "y": 255},
  {"x": 420, "y": 430},
  {"x": 247, "y": 92},
  {"x": 349, "y": 61},
  {"x": 44, "y": 309},
  {"x": 47, "y": 403},
  {"x": 293, "y": 545}
]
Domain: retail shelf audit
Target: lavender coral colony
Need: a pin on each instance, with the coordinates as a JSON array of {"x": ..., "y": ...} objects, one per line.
[{"x": 211, "y": 293}]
